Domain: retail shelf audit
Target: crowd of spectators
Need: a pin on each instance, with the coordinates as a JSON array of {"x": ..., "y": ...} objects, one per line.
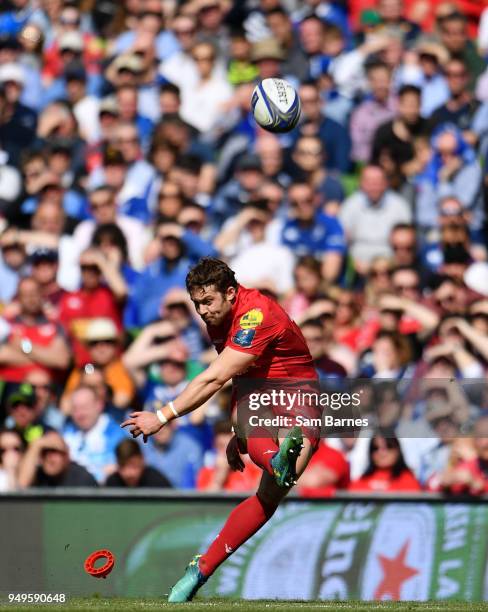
[{"x": 128, "y": 152}]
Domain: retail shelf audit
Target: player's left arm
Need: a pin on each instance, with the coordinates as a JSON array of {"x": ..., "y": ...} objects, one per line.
[{"x": 229, "y": 363}]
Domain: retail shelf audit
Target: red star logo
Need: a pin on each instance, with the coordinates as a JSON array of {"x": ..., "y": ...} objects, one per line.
[{"x": 395, "y": 573}]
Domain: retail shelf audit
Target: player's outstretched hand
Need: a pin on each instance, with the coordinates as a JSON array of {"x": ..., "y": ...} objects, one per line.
[
  {"x": 233, "y": 455},
  {"x": 145, "y": 423}
]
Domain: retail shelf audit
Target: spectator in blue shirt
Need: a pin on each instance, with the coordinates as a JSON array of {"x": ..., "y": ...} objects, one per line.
[
  {"x": 91, "y": 434},
  {"x": 311, "y": 232},
  {"x": 178, "y": 249},
  {"x": 175, "y": 454}
]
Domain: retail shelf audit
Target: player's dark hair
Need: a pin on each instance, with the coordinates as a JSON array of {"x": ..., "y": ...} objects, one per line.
[
  {"x": 392, "y": 442},
  {"x": 126, "y": 450},
  {"x": 211, "y": 271},
  {"x": 409, "y": 89}
]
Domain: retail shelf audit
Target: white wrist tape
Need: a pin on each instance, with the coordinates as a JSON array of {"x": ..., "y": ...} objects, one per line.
[
  {"x": 173, "y": 409},
  {"x": 161, "y": 417}
]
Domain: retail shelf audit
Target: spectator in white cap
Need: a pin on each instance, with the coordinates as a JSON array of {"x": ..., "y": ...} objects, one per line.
[{"x": 103, "y": 343}]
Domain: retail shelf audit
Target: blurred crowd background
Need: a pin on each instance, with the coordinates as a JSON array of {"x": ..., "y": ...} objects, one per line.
[{"x": 128, "y": 151}]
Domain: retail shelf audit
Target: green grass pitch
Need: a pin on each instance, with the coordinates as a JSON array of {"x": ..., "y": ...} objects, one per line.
[{"x": 225, "y": 605}]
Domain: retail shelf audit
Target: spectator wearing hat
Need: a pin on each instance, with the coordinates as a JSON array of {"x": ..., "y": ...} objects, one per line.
[
  {"x": 333, "y": 135},
  {"x": 73, "y": 42},
  {"x": 22, "y": 415},
  {"x": 17, "y": 121},
  {"x": 267, "y": 55},
  {"x": 102, "y": 294},
  {"x": 91, "y": 434},
  {"x": 101, "y": 338},
  {"x": 34, "y": 341},
  {"x": 104, "y": 209},
  {"x": 47, "y": 464},
  {"x": 132, "y": 472}
]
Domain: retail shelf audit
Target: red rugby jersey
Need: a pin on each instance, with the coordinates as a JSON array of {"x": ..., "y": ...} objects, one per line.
[{"x": 259, "y": 325}]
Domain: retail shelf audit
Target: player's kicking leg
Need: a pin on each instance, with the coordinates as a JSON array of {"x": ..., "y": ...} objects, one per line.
[{"x": 281, "y": 470}]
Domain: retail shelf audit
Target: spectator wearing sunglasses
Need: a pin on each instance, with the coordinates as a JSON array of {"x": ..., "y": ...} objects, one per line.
[
  {"x": 12, "y": 448},
  {"x": 47, "y": 464},
  {"x": 387, "y": 470}
]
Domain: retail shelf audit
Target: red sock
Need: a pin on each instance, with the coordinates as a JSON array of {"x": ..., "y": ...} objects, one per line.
[
  {"x": 243, "y": 522},
  {"x": 261, "y": 451}
]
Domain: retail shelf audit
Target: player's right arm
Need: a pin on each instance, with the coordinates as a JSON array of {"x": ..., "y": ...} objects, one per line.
[{"x": 229, "y": 363}]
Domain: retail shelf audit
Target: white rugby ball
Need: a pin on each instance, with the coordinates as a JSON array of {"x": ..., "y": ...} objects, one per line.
[{"x": 275, "y": 105}]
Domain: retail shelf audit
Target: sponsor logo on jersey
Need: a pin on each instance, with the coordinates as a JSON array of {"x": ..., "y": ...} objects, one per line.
[{"x": 251, "y": 319}]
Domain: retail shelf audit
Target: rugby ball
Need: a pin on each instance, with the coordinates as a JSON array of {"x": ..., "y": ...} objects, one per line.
[{"x": 275, "y": 105}]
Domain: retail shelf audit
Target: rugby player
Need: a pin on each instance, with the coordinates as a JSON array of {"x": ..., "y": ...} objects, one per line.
[{"x": 254, "y": 337}]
